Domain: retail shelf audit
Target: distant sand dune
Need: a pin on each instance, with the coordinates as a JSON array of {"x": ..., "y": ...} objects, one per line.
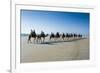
[{"x": 54, "y": 50}]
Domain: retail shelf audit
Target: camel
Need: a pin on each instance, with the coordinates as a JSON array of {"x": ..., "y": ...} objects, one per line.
[
  {"x": 71, "y": 36},
  {"x": 67, "y": 35},
  {"x": 41, "y": 36},
  {"x": 55, "y": 36},
  {"x": 32, "y": 35},
  {"x": 52, "y": 35},
  {"x": 63, "y": 36},
  {"x": 38, "y": 37},
  {"x": 79, "y": 35}
]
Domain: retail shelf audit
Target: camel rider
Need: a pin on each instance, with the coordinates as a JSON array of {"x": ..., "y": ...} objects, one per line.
[
  {"x": 34, "y": 31},
  {"x": 42, "y": 32},
  {"x": 31, "y": 31}
]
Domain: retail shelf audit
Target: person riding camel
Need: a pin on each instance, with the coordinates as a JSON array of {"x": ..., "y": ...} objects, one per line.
[{"x": 42, "y": 32}]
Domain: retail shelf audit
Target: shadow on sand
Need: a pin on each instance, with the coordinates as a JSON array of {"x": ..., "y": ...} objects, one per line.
[{"x": 54, "y": 42}]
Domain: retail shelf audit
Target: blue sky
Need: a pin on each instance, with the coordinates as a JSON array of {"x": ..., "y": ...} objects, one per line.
[{"x": 54, "y": 21}]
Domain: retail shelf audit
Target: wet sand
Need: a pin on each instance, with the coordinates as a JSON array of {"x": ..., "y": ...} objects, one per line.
[{"x": 54, "y": 51}]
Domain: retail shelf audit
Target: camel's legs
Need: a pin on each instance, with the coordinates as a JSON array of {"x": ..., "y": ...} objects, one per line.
[
  {"x": 34, "y": 40},
  {"x": 29, "y": 39},
  {"x": 63, "y": 38},
  {"x": 39, "y": 40},
  {"x": 43, "y": 40},
  {"x": 50, "y": 38}
]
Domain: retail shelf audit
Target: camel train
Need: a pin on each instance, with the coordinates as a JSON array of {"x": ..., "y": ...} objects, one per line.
[{"x": 40, "y": 38}]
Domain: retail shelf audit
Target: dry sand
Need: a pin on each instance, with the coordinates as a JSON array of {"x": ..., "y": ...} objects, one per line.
[{"x": 54, "y": 51}]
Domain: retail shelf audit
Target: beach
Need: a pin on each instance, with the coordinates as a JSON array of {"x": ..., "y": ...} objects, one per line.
[{"x": 54, "y": 51}]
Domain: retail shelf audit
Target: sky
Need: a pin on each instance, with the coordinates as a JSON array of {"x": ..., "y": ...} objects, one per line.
[{"x": 54, "y": 21}]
